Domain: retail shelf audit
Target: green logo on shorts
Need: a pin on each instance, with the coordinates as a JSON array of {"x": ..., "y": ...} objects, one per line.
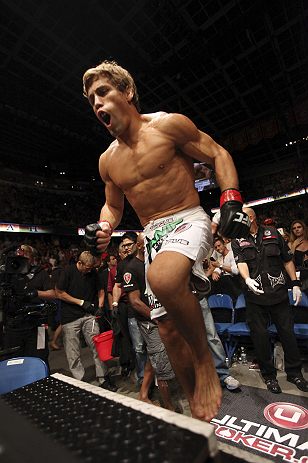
[{"x": 157, "y": 240}]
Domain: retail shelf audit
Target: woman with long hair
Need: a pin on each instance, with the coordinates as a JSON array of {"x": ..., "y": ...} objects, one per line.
[
  {"x": 299, "y": 242},
  {"x": 299, "y": 246}
]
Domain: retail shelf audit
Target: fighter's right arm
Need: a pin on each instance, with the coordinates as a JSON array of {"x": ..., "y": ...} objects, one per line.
[
  {"x": 98, "y": 236},
  {"x": 114, "y": 204}
]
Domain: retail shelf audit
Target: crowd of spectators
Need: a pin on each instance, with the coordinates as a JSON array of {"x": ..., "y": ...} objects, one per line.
[
  {"x": 273, "y": 184},
  {"x": 26, "y": 204},
  {"x": 35, "y": 205},
  {"x": 51, "y": 250},
  {"x": 283, "y": 211}
]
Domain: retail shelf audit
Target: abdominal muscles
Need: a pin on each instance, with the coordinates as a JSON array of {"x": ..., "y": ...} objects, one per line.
[{"x": 162, "y": 195}]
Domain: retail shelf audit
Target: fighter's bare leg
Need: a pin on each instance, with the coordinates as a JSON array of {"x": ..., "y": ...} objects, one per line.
[
  {"x": 180, "y": 357},
  {"x": 179, "y": 354},
  {"x": 169, "y": 276}
]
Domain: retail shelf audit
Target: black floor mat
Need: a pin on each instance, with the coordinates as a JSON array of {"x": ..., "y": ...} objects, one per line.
[
  {"x": 272, "y": 426},
  {"x": 99, "y": 430}
]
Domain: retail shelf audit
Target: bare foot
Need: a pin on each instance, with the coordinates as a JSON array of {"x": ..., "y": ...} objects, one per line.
[
  {"x": 207, "y": 394},
  {"x": 147, "y": 400},
  {"x": 54, "y": 346}
]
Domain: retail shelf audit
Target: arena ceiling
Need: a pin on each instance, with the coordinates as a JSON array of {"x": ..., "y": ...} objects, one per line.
[{"x": 237, "y": 68}]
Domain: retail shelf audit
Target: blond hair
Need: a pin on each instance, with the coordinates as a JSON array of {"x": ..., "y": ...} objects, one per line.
[
  {"x": 87, "y": 258},
  {"x": 305, "y": 229},
  {"x": 28, "y": 249},
  {"x": 117, "y": 75}
]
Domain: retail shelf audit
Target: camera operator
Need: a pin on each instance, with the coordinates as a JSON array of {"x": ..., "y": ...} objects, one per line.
[{"x": 28, "y": 330}]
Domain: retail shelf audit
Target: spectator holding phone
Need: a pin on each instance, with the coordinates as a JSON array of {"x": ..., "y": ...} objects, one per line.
[{"x": 223, "y": 271}]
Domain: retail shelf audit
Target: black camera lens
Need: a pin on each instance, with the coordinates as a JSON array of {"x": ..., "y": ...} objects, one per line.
[{"x": 15, "y": 265}]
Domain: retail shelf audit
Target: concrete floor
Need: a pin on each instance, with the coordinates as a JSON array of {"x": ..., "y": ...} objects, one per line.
[{"x": 128, "y": 386}]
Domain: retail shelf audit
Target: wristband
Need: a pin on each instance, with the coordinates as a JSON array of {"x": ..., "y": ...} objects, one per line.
[
  {"x": 295, "y": 283},
  {"x": 106, "y": 221},
  {"x": 230, "y": 195},
  {"x": 81, "y": 303},
  {"x": 114, "y": 304},
  {"x": 221, "y": 266}
]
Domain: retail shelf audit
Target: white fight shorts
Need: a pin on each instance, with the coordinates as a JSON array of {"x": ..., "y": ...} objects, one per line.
[{"x": 187, "y": 232}]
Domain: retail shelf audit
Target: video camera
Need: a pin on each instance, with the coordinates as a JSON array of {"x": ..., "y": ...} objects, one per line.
[
  {"x": 17, "y": 264},
  {"x": 12, "y": 302},
  {"x": 10, "y": 266}
]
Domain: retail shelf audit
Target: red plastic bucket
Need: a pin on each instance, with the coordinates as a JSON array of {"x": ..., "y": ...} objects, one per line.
[{"x": 103, "y": 343}]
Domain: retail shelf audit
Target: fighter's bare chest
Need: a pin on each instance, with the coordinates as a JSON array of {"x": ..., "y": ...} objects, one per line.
[{"x": 148, "y": 158}]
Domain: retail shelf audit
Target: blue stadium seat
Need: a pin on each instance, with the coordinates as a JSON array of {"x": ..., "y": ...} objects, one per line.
[
  {"x": 20, "y": 371},
  {"x": 237, "y": 329},
  {"x": 222, "y": 311},
  {"x": 223, "y": 315}
]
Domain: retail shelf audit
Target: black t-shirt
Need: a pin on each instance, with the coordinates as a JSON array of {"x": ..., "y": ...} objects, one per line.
[
  {"x": 79, "y": 286},
  {"x": 55, "y": 273},
  {"x": 134, "y": 279},
  {"x": 41, "y": 281},
  {"x": 121, "y": 269}
]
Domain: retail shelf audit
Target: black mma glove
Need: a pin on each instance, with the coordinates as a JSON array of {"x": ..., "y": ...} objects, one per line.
[
  {"x": 234, "y": 223},
  {"x": 90, "y": 236},
  {"x": 88, "y": 306},
  {"x": 30, "y": 295}
]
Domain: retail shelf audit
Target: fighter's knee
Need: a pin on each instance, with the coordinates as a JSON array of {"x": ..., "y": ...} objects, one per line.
[{"x": 166, "y": 328}]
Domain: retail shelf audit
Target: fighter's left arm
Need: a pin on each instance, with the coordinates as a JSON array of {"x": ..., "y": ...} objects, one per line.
[{"x": 198, "y": 145}]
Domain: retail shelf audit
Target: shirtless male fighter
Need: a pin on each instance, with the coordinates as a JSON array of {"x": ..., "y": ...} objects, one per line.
[{"x": 151, "y": 162}]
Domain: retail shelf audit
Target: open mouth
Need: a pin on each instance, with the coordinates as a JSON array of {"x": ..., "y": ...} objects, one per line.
[{"x": 105, "y": 118}]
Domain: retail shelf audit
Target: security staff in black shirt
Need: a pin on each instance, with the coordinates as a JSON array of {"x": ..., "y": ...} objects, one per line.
[
  {"x": 262, "y": 259},
  {"x": 29, "y": 332},
  {"x": 130, "y": 336}
]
